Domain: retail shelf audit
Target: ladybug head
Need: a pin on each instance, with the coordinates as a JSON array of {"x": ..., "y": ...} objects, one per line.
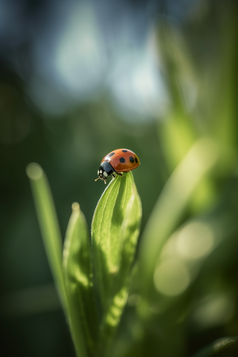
[{"x": 104, "y": 170}]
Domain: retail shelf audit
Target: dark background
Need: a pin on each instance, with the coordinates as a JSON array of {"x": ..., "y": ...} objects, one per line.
[{"x": 79, "y": 79}]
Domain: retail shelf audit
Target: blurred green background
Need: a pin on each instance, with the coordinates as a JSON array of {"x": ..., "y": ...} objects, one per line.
[{"x": 79, "y": 79}]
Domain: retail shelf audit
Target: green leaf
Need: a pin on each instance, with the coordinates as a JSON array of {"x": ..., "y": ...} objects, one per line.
[
  {"x": 129, "y": 235},
  {"x": 171, "y": 205},
  {"x": 48, "y": 225},
  {"x": 115, "y": 230},
  {"x": 216, "y": 346},
  {"x": 78, "y": 274}
]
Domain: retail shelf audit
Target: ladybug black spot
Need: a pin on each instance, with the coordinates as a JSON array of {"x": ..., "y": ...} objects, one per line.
[
  {"x": 112, "y": 153},
  {"x": 122, "y": 159},
  {"x": 136, "y": 160},
  {"x": 124, "y": 150},
  {"x": 131, "y": 159}
]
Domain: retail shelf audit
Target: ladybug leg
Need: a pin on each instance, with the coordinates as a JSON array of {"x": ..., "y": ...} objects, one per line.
[{"x": 117, "y": 173}]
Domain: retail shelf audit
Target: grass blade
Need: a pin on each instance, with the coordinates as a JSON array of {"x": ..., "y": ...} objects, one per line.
[
  {"x": 216, "y": 346},
  {"x": 106, "y": 234},
  {"x": 48, "y": 225},
  {"x": 115, "y": 230},
  {"x": 171, "y": 205},
  {"x": 129, "y": 236},
  {"x": 78, "y": 273}
]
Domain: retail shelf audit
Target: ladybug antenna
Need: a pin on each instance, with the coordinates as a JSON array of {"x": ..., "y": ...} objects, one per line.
[{"x": 97, "y": 179}]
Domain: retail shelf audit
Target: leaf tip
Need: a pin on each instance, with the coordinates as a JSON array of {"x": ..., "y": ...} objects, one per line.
[
  {"x": 75, "y": 207},
  {"x": 34, "y": 171}
]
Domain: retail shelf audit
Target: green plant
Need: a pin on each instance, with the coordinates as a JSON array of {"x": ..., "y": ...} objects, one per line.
[
  {"x": 99, "y": 290},
  {"x": 93, "y": 288}
]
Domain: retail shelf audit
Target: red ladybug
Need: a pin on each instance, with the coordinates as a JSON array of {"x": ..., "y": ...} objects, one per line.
[{"x": 116, "y": 162}]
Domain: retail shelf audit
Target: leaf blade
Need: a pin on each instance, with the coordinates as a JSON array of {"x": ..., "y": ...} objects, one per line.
[
  {"x": 78, "y": 275},
  {"x": 172, "y": 203},
  {"x": 115, "y": 229},
  {"x": 216, "y": 346},
  {"x": 49, "y": 225},
  {"x": 100, "y": 228},
  {"x": 131, "y": 228}
]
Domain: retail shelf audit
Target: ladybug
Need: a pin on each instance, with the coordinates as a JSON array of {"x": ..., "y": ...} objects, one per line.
[{"x": 117, "y": 162}]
